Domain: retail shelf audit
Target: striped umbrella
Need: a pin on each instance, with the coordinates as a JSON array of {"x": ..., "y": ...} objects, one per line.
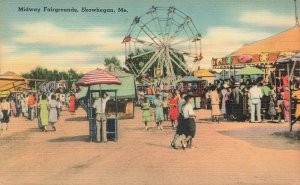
[{"x": 98, "y": 76}]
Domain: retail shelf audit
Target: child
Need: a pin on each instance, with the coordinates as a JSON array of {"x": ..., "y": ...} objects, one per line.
[{"x": 146, "y": 112}]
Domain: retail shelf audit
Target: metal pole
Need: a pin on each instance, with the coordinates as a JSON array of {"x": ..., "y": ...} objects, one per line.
[
  {"x": 290, "y": 114},
  {"x": 116, "y": 119},
  {"x": 90, "y": 112}
]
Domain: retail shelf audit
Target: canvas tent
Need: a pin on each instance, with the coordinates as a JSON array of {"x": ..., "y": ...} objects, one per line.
[
  {"x": 262, "y": 52},
  {"x": 126, "y": 93},
  {"x": 11, "y": 82},
  {"x": 205, "y": 75}
]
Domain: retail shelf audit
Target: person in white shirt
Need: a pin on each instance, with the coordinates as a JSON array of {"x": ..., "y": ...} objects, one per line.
[
  {"x": 189, "y": 122},
  {"x": 255, "y": 95},
  {"x": 100, "y": 106}
]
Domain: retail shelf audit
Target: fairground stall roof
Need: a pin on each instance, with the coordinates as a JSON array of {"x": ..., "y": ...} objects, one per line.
[
  {"x": 13, "y": 82},
  {"x": 125, "y": 90},
  {"x": 262, "y": 52}
]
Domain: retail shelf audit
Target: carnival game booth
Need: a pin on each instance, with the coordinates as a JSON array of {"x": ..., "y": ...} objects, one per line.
[
  {"x": 262, "y": 53},
  {"x": 288, "y": 68},
  {"x": 194, "y": 87},
  {"x": 95, "y": 81},
  {"x": 126, "y": 94}
]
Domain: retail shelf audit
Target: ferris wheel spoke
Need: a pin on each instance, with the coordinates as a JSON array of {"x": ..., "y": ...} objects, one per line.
[
  {"x": 181, "y": 62},
  {"x": 157, "y": 26},
  {"x": 185, "y": 53},
  {"x": 148, "y": 43},
  {"x": 151, "y": 61},
  {"x": 143, "y": 54},
  {"x": 180, "y": 67},
  {"x": 169, "y": 61},
  {"x": 176, "y": 33},
  {"x": 150, "y": 34}
]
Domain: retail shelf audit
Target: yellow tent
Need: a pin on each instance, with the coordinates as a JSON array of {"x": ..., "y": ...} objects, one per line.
[{"x": 203, "y": 73}]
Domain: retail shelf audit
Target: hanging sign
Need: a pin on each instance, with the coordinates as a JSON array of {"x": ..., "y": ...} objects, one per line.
[
  {"x": 264, "y": 57},
  {"x": 245, "y": 59}
]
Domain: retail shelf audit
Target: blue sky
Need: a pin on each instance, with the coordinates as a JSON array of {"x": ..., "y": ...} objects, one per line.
[{"x": 83, "y": 40}]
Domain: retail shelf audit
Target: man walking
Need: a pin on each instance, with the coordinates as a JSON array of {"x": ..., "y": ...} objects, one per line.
[
  {"x": 255, "y": 95},
  {"x": 100, "y": 106}
]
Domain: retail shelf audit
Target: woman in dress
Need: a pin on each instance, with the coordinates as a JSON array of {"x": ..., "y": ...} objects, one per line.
[
  {"x": 23, "y": 105},
  {"x": 146, "y": 112},
  {"x": 189, "y": 122},
  {"x": 159, "y": 115},
  {"x": 5, "y": 107},
  {"x": 174, "y": 109},
  {"x": 43, "y": 107},
  {"x": 72, "y": 103},
  {"x": 215, "y": 104},
  {"x": 53, "y": 106},
  {"x": 13, "y": 107},
  {"x": 225, "y": 98}
]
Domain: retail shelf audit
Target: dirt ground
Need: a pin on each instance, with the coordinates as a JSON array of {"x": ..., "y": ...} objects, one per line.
[{"x": 225, "y": 153}]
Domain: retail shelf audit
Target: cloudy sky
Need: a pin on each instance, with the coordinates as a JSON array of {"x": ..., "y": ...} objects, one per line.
[{"x": 82, "y": 40}]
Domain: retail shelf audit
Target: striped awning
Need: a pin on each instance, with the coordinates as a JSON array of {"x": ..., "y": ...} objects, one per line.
[{"x": 98, "y": 76}]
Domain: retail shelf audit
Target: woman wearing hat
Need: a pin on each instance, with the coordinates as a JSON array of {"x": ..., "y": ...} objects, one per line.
[
  {"x": 215, "y": 102},
  {"x": 225, "y": 97}
]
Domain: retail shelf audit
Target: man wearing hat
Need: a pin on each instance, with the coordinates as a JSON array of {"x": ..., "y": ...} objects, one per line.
[{"x": 100, "y": 106}]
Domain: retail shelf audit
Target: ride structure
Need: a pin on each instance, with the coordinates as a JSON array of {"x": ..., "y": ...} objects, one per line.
[{"x": 162, "y": 43}]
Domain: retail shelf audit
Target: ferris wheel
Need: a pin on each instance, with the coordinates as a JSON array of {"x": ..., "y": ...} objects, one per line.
[{"x": 164, "y": 40}]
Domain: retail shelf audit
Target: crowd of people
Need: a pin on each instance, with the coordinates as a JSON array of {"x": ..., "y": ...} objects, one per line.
[
  {"x": 44, "y": 107},
  {"x": 252, "y": 100}
]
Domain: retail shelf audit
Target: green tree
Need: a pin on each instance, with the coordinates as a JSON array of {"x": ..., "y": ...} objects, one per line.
[
  {"x": 141, "y": 61},
  {"x": 52, "y": 75},
  {"x": 112, "y": 60}
]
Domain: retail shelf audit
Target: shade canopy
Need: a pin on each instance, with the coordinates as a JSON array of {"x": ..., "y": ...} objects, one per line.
[
  {"x": 203, "y": 73},
  {"x": 98, "y": 76},
  {"x": 294, "y": 58},
  {"x": 191, "y": 79},
  {"x": 285, "y": 41},
  {"x": 250, "y": 71}
]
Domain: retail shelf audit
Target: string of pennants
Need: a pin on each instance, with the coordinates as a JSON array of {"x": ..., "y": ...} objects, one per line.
[{"x": 263, "y": 57}]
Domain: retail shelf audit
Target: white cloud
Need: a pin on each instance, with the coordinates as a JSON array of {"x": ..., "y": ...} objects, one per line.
[
  {"x": 267, "y": 19},
  {"x": 221, "y": 41},
  {"x": 50, "y": 34},
  {"x": 5, "y": 49},
  {"x": 25, "y": 61}
]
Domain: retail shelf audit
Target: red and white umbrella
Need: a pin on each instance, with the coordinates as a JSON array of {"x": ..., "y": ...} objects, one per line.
[{"x": 98, "y": 76}]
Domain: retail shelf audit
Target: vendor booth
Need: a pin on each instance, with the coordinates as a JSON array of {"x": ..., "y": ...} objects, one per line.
[
  {"x": 194, "y": 87},
  {"x": 125, "y": 97},
  {"x": 99, "y": 77},
  {"x": 288, "y": 68}
]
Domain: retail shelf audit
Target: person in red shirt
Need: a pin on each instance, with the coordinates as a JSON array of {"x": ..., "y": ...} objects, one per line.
[
  {"x": 31, "y": 106},
  {"x": 72, "y": 103}
]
